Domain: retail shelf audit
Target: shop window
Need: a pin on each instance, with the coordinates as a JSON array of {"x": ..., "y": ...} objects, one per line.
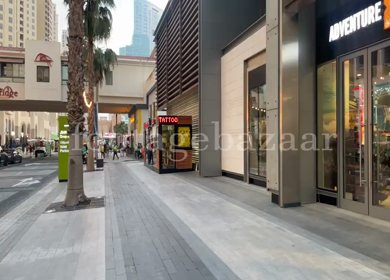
[
  {"x": 380, "y": 133},
  {"x": 109, "y": 78},
  {"x": 168, "y": 151},
  {"x": 43, "y": 74},
  {"x": 326, "y": 127}
]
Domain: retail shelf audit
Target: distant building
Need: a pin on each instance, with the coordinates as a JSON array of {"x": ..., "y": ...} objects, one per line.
[
  {"x": 64, "y": 41},
  {"x": 47, "y": 21},
  {"x": 18, "y": 22},
  {"x": 55, "y": 29},
  {"x": 146, "y": 18}
]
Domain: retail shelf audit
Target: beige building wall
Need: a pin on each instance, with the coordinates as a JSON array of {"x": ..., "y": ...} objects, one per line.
[
  {"x": 232, "y": 100},
  {"x": 47, "y": 27},
  {"x": 129, "y": 78},
  {"x": 50, "y": 91},
  {"x": 18, "y": 22}
]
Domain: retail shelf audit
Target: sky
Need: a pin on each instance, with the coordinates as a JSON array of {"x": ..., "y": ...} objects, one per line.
[{"x": 123, "y": 23}]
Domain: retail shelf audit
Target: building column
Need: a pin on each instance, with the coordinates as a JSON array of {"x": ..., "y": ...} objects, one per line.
[{"x": 290, "y": 100}]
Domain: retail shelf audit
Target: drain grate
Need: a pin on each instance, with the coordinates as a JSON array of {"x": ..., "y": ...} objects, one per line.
[{"x": 96, "y": 202}]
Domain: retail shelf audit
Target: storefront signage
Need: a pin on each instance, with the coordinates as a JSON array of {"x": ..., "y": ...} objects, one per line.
[
  {"x": 168, "y": 119},
  {"x": 63, "y": 153},
  {"x": 355, "y": 22},
  {"x": 132, "y": 120},
  {"x": 8, "y": 93}
]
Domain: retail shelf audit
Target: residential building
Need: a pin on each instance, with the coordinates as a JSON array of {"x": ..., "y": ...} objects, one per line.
[
  {"x": 55, "y": 29},
  {"x": 146, "y": 18},
  {"x": 64, "y": 41},
  {"x": 47, "y": 27},
  {"x": 17, "y": 22}
]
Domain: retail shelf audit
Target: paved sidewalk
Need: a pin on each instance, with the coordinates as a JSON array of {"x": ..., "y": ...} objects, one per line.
[
  {"x": 182, "y": 226},
  {"x": 64, "y": 245},
  {"x": 255, "y": 244},
  {"x": 151, "y": 246}
]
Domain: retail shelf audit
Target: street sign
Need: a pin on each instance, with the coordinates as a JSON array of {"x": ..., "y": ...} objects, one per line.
[{"x": 63, "y": 150}]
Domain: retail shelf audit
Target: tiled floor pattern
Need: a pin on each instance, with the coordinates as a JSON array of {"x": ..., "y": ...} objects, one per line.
[
  {"x": 254, "y": 247},
  {"x": 68, "y": 245},
  {"x": 152, "y": 248}
]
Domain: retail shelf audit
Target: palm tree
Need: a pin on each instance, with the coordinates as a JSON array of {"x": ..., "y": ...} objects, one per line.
[
  {"x": 75, "y": 190},
  {"x": 97, "y": 27},
  {"x": 103, "y": 62}
]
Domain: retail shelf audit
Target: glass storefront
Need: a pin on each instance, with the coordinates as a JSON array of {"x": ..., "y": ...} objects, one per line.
[
  {"x": 359, "y": 166},
  {"x": 353, "y": 85},
  {"x": 327, "y": 126},
  {"x": 258, "y": 131},
  {"x": 380, "y": 80},
  {"x": 257, "y": 153}
]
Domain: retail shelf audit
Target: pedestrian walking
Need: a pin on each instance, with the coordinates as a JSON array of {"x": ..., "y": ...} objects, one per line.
[
  {"x": 115, "y": 152},
  {"x": 102, "y": 151}
]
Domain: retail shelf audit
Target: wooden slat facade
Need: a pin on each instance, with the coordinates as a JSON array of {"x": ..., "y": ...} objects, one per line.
[{"x": 177, "y": 42}]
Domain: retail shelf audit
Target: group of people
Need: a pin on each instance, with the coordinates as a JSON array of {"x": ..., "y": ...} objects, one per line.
[{"x": 122, "y": 149}]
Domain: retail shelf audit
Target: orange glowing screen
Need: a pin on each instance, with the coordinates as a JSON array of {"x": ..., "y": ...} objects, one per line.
[{"x": 386, "y": 14}]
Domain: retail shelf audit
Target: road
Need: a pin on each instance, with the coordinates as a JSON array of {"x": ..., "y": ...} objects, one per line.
[{"x": 19, "y": 181}]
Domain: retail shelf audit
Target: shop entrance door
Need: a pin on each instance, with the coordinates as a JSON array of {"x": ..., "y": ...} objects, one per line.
[
  {"x": 364, "y": 129},
  {"x": 353, "y": 140}
]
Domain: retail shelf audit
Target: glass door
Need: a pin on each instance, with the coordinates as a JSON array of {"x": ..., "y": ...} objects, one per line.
[
  {"x": 379, "y": 136},
  {"x": 258, "y": 132},
  {"x": 353, "y": 123}
]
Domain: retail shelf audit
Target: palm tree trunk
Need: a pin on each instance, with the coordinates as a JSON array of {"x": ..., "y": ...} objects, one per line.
[
  {"x": 75, "y": 189},
  {"x": 91, "y": 109}
]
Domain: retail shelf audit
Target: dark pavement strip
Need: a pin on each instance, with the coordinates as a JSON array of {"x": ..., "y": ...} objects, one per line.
[{"x": 22, "y": 193}]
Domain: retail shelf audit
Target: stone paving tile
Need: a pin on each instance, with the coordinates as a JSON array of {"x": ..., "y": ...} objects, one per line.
[
  {"x": 15, "y": 224},
  {"x": 254, "y": 245},
  {"x": 68, "y": 245},
  {"x": 151, "y": 246}
]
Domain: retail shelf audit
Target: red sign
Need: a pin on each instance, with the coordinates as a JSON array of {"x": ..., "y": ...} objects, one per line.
[
  {"x": 168, "y": 119},
  {"x": 7, "y": 92},
  {"x": 44, "y": 58},
  {"x": 146, "y": 125}
]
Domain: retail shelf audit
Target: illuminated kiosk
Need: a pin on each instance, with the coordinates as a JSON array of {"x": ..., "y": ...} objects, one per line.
[{"x": 168, "y": 145}]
